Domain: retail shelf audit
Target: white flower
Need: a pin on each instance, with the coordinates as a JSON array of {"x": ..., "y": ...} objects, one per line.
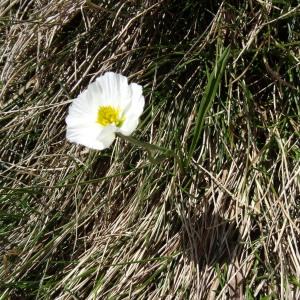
[{"x": 108, "y": 105}]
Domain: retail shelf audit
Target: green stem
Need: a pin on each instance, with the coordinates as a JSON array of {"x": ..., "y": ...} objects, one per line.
[
  {"x": 136, "y": 142},
  {"x": 151, "y": 148}
]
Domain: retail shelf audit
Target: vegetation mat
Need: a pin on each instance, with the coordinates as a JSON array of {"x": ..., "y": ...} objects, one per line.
[{"x": 221, "y": 83}]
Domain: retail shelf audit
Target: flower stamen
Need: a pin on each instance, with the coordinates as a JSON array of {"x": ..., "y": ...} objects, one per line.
[{"x": 110, "y": 115}]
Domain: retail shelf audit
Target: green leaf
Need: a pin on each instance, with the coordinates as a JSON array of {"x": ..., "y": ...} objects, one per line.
[{"x": 208, "y": 98}]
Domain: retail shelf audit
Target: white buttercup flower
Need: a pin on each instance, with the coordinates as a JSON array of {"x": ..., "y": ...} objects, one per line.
[{"x": 108, "y": 105}]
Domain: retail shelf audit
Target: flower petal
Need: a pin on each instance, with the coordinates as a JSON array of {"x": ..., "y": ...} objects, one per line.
[
  {"x": 114, "y": 89},
  {"x": 129, "y": 125},
  {"x": 138, "y": 100},
  {"x": 86, "y": 135},
  {"x": 107, "y": 135},
  {"x": 85, "y": 107},
  {"x": 134, "y": 109}
]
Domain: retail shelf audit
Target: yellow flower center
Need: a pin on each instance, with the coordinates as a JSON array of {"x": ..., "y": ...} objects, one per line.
[{"x": 109, "y": 115}]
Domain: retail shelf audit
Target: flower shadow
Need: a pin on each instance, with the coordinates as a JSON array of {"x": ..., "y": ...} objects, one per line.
[{"x": 210, "y": 240}]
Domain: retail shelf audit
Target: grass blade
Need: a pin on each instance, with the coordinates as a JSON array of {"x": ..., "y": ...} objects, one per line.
[{"x": 208, "y": 98}]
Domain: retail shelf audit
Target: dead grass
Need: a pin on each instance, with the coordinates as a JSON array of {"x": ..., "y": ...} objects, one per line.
[{"x": 80, "y": 224}]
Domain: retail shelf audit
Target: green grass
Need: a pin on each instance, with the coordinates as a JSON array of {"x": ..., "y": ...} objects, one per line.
[{"x": 221, "y": 84}]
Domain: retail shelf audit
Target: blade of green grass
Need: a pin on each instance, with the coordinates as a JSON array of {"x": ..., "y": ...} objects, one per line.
[{"x": 208, "y": 99}]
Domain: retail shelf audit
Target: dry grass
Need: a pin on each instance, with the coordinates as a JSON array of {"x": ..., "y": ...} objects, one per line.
[{"x": 80, "y": 224}]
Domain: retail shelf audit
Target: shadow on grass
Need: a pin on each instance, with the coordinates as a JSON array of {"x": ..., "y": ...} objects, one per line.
[{"x": 210, "y": 240}]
